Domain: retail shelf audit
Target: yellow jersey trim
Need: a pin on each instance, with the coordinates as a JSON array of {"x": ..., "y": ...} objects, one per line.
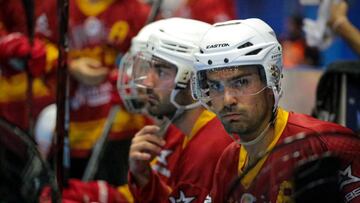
[
  {"x": 83, "y": 135},
  {"x": 125, "y": 121},
  {"x": 280, "y": 123},
  {"x": 203, "y": 119},
  {"x": 125, "y": 191},
  {"x": 14, "y": 88},
  {"x": 90, "y": 8}
]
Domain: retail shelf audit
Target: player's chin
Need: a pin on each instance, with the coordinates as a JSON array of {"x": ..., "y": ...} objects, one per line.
[
  {"x": 154, "y": 111},
  {"x": 234, "y": 126}
]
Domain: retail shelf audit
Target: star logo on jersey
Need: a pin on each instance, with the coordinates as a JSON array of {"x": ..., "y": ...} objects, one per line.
[
  {"x": 182, "y": 198},
  {"x": 346, "y": 177},
  {"x": 163, "y": 156}
]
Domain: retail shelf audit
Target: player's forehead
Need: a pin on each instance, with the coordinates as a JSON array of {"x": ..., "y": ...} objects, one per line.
[{"x": 224, "y": 74}]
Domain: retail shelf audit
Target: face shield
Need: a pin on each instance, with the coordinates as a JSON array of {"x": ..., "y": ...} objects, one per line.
[
  {"x": 153, "y": 73},
  {"x": 218, "y": 87},
  {"x": 131, "y": 95},
  {"x": 149, "y": 80}
]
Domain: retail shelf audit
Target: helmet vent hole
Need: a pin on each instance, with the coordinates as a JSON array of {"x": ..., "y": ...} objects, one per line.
[
  {"x": 226, "y": 24},
  {"x": 209, "y": 62},
  {"x": 176, "y": 47},
  {"x": 247, "y": 44},
  {"x": 201, "y": 51},
  {"x": 226, "y": 60},
  {"x": 256, "y": 51}
]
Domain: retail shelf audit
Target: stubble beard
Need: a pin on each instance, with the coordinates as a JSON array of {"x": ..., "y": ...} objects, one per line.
[
  {"x": 162, "y": 109},
  {"x": 245, "y": 129}
]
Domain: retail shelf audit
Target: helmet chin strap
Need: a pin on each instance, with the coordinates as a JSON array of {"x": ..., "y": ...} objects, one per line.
[
  {"x": 257, "y": 139},
  {"x": 180, "y": 109},
  {"x": 183, "y": 107}
]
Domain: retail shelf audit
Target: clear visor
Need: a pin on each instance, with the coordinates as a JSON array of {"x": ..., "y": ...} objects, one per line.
[
  {"x": 151, "y": 72},
  {"x": 132, "y": 96},
  {"x": 141, "y": 74},
  {"x": 215, "y": 87}
]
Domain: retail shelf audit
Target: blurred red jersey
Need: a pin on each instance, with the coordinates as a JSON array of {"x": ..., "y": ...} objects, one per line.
[
  {"x": 210, "y": 11},
  {"x": 101, "y": 30}
]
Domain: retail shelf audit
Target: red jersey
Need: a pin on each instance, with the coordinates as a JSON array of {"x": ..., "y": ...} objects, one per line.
[
  {"x": 12, "y": 16},
  {"x": 210, "y": 11},
  {"x": 276, "y": 185},
  {"x": 13, "y": 87},
  {"x": 185, "y": 162}
]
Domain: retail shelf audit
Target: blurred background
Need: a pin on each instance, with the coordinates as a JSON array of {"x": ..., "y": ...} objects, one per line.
[{"x": 279, "y": 12}]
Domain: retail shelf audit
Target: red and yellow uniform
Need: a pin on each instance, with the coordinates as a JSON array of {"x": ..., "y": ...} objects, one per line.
[
  {"x": 99, "y": 30},
  {"x": 210, "y": 11},
  {"x": 234, "y": 161},
  {"x": 188, "y": 161},
  {"x": 15, "y": 47}
]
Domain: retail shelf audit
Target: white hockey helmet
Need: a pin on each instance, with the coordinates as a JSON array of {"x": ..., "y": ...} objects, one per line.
[
  {"x": 138, "y": 43},
  {"x": 239, "y": 43},
  {"x": 176, "y": 43},
  {"x": 127, "y": 89}
]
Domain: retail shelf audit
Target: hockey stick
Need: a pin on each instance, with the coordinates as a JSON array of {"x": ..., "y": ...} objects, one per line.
[
  {"x": 155, "y": 9},
  {"x": 99, "y": 147},
  {"x": 29, "y": 14},
  {"x": 62, "y": 116}
]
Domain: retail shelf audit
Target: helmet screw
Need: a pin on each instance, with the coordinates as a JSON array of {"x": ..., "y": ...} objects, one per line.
[
  {"x": 209, "y": 62},
  {"x": 226, "y": 60}
]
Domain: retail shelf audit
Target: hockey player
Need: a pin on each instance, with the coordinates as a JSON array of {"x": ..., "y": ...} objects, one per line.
[
  {"x": 99, "y": 34},
  {"x": 238, "y": 77},
  {"x": 127, "y": 88},
  {"x": 187, "y": 150},
  {"x": 94, "y": 190}
]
